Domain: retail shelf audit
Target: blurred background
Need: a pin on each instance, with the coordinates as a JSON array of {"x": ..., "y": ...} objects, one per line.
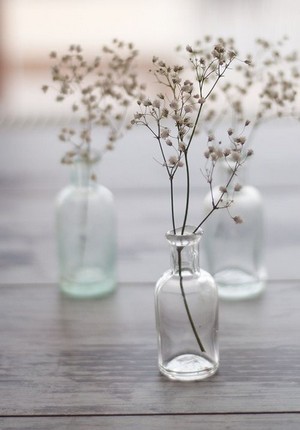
[{"x": 30, "y": 170}]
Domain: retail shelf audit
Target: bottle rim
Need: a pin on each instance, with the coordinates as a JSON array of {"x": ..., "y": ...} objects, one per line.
[{"x": 188, "y": 236}]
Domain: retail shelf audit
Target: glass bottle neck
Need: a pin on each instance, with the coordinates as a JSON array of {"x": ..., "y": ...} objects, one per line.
[
  {"x": 184, "y": 249},
  {"x": 81, "y": 174},
  {"x": 185, "y": 258}
]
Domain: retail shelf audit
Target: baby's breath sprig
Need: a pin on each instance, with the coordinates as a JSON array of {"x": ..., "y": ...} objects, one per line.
[
  {"x": 265, "y": 90},
  {"x": 272, "y": 83},
  {"x": 99, "y": 92},
  {"x": 173, "y": 116},
  {"x": 234, "y": 155}
]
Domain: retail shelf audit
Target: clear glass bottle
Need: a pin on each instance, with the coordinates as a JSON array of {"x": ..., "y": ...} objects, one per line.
[
  {"x": 234, "y": 252},
  {"x": 86, "y": 234},
  {"x": 186, "y": 304}
]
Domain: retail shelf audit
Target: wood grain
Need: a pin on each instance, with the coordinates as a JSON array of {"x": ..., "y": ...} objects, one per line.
[
  {"x": 61, "y": 356},
  {"x": 192, "y": 422}
]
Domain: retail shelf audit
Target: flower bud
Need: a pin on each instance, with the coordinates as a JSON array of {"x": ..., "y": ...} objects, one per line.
[{"x": 237, "y": 219}]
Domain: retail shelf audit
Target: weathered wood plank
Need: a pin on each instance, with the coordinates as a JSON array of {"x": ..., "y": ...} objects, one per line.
[
  {"x": 64, "y": 356},
  {"x": 192, "y": 422}
]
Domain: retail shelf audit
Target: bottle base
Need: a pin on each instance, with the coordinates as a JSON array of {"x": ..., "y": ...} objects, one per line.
[
  {"x": 238, "y": 285},
  {"x": 88, "y": 282},
  {"x": 189, "y": 367}
]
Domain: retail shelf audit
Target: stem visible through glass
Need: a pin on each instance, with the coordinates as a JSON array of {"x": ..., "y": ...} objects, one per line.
[{"x": 179, "y": 250}]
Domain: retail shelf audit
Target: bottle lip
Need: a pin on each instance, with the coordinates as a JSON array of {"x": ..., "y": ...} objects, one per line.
[{"x": 187, "y": 237}]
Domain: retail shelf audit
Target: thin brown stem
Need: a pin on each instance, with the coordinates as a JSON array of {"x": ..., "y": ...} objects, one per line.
[
  {"x": 172, "y": 204},
  {"x": 194, "y": 128},
  {"x": 202, "y": 349},
  {"x": 187, "y": 192},
  {"x": 217, "y": 80},
  {"x": 216, "y": 205}
]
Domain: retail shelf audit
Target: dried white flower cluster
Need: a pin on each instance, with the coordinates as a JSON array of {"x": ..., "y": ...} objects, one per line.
[
  {"x": 99, "y": 93},
  {"x": 234, "y": 156},
  {"x": 280, "y": 80},
  {"x": 203, "y": 50},
  {"x": 173, "y": 116},
  {"x": 267, "y": 89}
]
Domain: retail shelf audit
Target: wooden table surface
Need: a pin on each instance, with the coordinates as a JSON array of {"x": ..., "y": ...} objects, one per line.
[
  {"x": 69, "y": 364},
  {"x": 90, "y": 364}
]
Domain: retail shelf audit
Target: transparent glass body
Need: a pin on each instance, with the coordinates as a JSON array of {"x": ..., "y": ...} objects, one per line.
[
  {"x": 86, "y": 229},
  {"x": 186, "y": 304},
  {"x": 234, "y": 252}
]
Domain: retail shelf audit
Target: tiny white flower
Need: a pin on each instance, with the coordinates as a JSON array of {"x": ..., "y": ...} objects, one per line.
[
  {"x": 188, "y": 108},
  {"x": 237, "y": 219},
  {"x": 174, "y": 105},
  {"x": 173, "y": 160},
  {"x": 156, "y": 104},
  {"x": 165, "y": 133},
  {"x": 235, "y": 156}
]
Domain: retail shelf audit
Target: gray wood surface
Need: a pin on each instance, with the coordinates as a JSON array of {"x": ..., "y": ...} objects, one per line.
[
  {"x": 61, "y": 356},
  {"x": 191, "y": 422}
]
